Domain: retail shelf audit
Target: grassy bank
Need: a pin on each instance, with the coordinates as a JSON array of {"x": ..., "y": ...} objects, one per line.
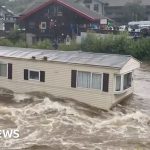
[{"x": 120, "y": 44}]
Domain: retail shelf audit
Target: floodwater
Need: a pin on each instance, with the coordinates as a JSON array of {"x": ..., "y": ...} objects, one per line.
[{"x": 48, "y": 124}]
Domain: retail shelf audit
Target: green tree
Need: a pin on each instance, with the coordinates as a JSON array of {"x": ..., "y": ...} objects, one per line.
[{"x": 134, "y": 11}]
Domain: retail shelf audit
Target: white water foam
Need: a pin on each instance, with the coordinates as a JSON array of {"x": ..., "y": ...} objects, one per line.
[
  {"x": 51, "y": 117},
  {"x": 21, "y": 97}
]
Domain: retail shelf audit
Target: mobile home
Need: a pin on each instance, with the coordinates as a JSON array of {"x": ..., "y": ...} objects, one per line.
[{"x": 99, "y": 80}]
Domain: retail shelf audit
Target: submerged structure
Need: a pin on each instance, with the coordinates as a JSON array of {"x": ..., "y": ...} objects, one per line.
[{"x": 99, "y": 80}]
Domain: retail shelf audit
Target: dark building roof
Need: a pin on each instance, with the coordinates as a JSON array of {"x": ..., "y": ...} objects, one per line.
[
  {"x": 7, "y": 10},
  {"x": 33, "y": 6},
  {"x": 70, "y": 57},
  {"x": 123, "y": 2},
  {"x": 82, "y": 11}
]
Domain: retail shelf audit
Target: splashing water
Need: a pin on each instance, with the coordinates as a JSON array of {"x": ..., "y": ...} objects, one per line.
[{"x": 45, "y": 124}]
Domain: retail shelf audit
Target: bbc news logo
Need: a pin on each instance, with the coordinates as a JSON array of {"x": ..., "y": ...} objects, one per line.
[{"x": 9, "y": 134}]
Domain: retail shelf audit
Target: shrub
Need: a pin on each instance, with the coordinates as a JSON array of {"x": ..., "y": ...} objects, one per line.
[
  {"x": 6, "y": 42},
  {"x": 16, "y": 35},
  {"x": 21, "y": 43},
  {"x": 121, "y": 43},
  {"x": 45, "y": 44},
  {"x": 89, "y": 43},
  {"x": 108, "y": 44},
  {"x": 118, "y": 44},
  {"x": 72, "y": 47}
]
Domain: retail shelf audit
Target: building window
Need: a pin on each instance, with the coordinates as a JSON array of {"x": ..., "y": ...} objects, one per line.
[
  {"x": 34, "y": 75},
  {"x": 88, "y": 6},
  {"x": 127, "y": 81},
  {"x": 59, "y": 11},
  {"x": 96, "y": 7},
  {"x": 89, "y": 80},
  {"x": 123, "y": 82},
  {"x": 43, "y": 25},
  {"x": 3, "y": 70}
]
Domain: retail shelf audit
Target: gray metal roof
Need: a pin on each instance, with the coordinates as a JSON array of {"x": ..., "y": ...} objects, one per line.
[{"x": 72, "y": 57}]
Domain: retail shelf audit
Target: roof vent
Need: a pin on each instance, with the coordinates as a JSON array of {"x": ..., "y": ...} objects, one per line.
[
  {"x": 33, "y": 57},
  {"x": 45, "y": 58}
]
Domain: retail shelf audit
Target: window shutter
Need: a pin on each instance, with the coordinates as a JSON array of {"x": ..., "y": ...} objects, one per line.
[
  {"x": 73, "y": 78},
  {"x": 105, "y": 82},
  {"x": 9, "y": 71},
  {"x": 42, "y": 76},
  {"x": 25, "y": 74}
]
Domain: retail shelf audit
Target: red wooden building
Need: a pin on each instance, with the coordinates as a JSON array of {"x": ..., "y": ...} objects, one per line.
[{"x": 55, "y": 19}]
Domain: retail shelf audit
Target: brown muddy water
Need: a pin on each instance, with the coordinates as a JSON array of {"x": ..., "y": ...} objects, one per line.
[{"x": 45, "y": 124}]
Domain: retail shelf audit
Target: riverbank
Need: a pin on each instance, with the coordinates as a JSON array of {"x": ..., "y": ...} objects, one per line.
[{"x": 121, "y": 44}]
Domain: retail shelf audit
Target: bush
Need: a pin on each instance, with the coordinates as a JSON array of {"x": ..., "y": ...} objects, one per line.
[
  {"x": 45, "y": 44},
  {"x": 140, "y": 48},
  {"x": 89, "y": 43},
  {"x": 118, "y": 44},
  {"x": 6, "y": 42},
  {"x": 121, "y": 43},
  {"x": 21, "y": 43},
  {"x": 72, "y": 47},
  {"x": 16, "y": 35}
]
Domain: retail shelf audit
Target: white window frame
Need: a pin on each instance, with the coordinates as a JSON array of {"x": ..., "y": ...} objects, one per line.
[
  {"x": 122, "y": 83},
  {"x": 34, "y": 71},
  {"x": 131, "y": 80},
  {"x": 6, "y": 69},
  {"x": 43, "y": 28},
  {"x": 77, "y": 79},
  {"x": 91, "y": 74}
]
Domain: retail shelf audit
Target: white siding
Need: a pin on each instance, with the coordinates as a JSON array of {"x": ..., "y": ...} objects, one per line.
[
  {"x": 118, "y": 97},
  {"x": 132, "y": 64},
  {"x": 58, "y": 81}
]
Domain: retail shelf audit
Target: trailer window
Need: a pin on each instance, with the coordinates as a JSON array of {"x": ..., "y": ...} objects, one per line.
[
  {"x": 83, "y": 79},
  {"x": 3, "y": 70},
  {"x": 127, "y": 80},
  {"x": 123, "y": 82},
  {"x": 34, "y": 75},
  {"x": 89, "y": 80},
  {"x": 118, "y": 82},
  {"x": 96, "y": 81}
]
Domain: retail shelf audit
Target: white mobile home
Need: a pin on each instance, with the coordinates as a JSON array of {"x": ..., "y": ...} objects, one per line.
[{"x": 96, "y": 79}]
